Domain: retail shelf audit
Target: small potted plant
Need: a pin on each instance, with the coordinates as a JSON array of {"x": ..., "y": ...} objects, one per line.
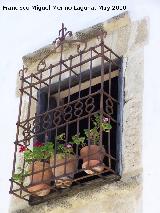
[
  {"x": 63, "y": 163},
  {"x": 36, "y": 167},
  {"x": 93, "y": 154}
]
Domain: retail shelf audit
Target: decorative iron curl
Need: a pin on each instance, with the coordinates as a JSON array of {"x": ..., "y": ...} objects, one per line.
[
  {"x": 60, "y": 41},
  {"x": 47, "y": 121},
  {"x": 101, "y": 35},
  {"x": 22, "y": 71},
  {"x": 109, "y": 106},
  {"x": 57, "y": 119},
  {"x": 78, "y": 47},
  {"x": 26, "y": 133},
  {"x": 41, "y": 65},
  {"x": 89, "y": 103},
  {"x": 62, "y": 36},
  {"x": 78, "y": 108},
  {"x": 36, "y": 125},
  {"x": 68, "y": 113},
  {"x": 75, "y": 41}
]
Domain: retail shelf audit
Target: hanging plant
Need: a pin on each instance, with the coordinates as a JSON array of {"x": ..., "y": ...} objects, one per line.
[
  {"x": 36, "y": 162},
  {"x": 93, "y": 154}
]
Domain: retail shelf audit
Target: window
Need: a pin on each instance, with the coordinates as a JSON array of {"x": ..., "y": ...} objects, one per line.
[{"x": 77, "y": 125}]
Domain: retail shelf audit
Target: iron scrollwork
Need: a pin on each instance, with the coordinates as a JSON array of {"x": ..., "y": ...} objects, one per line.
[{"x": 64, "y": 37}]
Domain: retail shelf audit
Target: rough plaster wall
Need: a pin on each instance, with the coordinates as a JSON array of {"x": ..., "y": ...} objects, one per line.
[
  {"x": 120, "y": 197},
  {"x": 127, "y": 39}
]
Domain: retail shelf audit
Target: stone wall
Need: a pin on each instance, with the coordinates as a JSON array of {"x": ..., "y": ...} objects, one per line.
[{"x": 127, "y": 38}]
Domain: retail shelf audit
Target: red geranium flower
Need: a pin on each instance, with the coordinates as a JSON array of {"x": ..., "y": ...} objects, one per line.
[
  {"x": 22, "y": 148},
  {"x": 38, "y": 144}
]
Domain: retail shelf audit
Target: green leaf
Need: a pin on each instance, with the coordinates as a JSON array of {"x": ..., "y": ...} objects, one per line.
[
  {"x": 106, "y": 127},
  {"x": 39, "y": 153},
  {"x": 61, "y": 137},
  {"x": 19, "y": 177},
  {"x": 76, "y": 139}
]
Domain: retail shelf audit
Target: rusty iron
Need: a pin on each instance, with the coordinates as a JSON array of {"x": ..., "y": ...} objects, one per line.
[{"x": 68, "y": 111}]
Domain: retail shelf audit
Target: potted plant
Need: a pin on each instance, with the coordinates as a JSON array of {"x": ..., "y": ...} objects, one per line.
[
  {"x": 93, "y": 154},
  {"x": 36, "y": 167},
  {"x": 63, "y": 163}
]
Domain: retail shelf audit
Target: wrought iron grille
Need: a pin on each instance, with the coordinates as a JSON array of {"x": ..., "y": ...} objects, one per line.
[{"x": 70, "y": 130}]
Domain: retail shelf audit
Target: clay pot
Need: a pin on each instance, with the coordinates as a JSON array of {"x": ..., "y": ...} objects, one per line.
[
  {"x": 65, "y": 181},
  {"x": 41, "y": 188},
  {"x": 92, "y": 158}
]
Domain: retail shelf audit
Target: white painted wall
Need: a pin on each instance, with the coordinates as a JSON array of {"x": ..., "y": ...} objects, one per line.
[{"x": 23, "y": 32}]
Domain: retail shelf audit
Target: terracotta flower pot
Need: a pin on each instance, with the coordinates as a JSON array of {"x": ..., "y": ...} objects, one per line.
[
  {"x": 66, "y": 180},
  {"x": 41, "y": 188},
  {"x": 92, "y": 158}
]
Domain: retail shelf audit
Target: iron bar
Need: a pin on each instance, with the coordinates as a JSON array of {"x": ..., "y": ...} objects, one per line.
[{"x": 109, "y": 92}]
